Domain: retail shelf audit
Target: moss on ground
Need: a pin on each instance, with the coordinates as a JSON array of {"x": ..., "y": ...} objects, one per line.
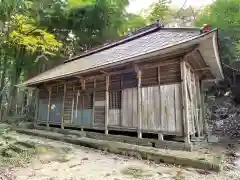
[
  {"x": 136, "y": 172},
  {"x": 14, "y": 153}
]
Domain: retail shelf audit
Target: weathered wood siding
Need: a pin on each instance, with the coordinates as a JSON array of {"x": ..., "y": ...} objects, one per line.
[
  {"x": 82, "y": 111},
  {"x": 194, "y": 101},
  {"x": 164, "y": 115},
  {"x": 82, "y": 103},
  {"x": 56, "y": 104},
  {"x": 157, "y": 115},
  {"x": 43, "y": 104},
  {"x": 67, "y": 117},
  {"x": 114, "y": 108},
  {"x": 129, "y": 108},
  {"x": 99, "y": 106},
  {"x": 160, "y": 100}
]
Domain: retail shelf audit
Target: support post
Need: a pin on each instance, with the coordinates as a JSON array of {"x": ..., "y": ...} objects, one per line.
[
  {"x": 93, "y": 108},
  {"x": 185, "y": 102},
  {"x": 198, "y": 100},
  {"x": 160, "y": 136},
  {"x": 107, "y": 104},
  {"x": 205, "y": 124},
  {"x": 139, "y": 100},
  {"x": 49, "y": 104},
  {"x": 73, "y": 102},
  {"x": 64, "y": 95},
  {"x": 192, "y": 99},
  {"x": 121, "y": 85},
  {"x": 36, "y": 106}
]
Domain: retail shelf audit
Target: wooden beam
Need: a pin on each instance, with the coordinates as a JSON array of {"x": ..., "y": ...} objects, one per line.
[
  {"x": 93, "y": 110},
  {"x": 82, "y": 124},
  {"x": 82, "y": 81},
  {"x": 139, "y": 100},
  {"x": 60, "y": 80},
  {"x": 73, "y": 103},
  {"x": 121, "y": 88},
  {"x": 49, "y": 104},
  {"x": 199, "y": 111},
  {"x": 104, "y": 72},
  {"x": 63, "y": 103},
  {"x": 79, "y": 77},
  {"x": 157, "y": 64},
  {"x": 185, "y": 103},
  {"x": 160, "y": 136},
  {"x": 107, "y": 105},
  {"x": 136, "y": 68},
  {"x": 205, "y": 124},
  {"x": 202, "y": 69},
  {"x": 36, "y": 106}
]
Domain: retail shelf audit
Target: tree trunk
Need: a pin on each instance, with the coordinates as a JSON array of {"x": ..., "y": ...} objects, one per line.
[
  {"x": 2, "y": 87},
  {"x": 3, "y": 77}
]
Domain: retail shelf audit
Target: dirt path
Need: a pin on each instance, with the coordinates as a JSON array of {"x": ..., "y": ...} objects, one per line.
[{"x": 79, "y": 163}]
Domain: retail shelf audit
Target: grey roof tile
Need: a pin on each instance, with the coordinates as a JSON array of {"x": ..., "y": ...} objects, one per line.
[{"x": 149, "y": 43}]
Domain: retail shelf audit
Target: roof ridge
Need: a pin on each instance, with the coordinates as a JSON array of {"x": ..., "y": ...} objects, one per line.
[{"x": 129, "y": 37}]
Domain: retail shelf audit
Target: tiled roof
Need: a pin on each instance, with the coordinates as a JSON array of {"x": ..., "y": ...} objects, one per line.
[{"x": 137, "y": 46}]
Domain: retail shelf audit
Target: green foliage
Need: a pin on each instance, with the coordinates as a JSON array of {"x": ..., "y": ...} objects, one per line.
[
  {"x": 80, "y": 3},
  {"x": 159, "y": 10},
  {"x": 132, "y": 23},
  {"x": 33, "y": 39},
  {"x": 224, "y": 15}
]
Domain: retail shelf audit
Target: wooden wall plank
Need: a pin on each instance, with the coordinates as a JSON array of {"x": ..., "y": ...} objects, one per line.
[
  {"x": 64, "y": 95},
  {"x": 199, "y": 107},
  {"x": 49, "y": 105},
  {"x": 107, "y": 105},
  {"x": 178, "y": 109},
  {"x": 36, "y": 106},
  {"x": 99, "y": 109},
  {"x": 93, "y": 111},
  {"x": 129, "y": 108},
  {"x": 152, "y": 113},
  {"x": 139, "y": 101},
  {"x": 114, "y": 117},
  {"x": 185, "y": 102}
]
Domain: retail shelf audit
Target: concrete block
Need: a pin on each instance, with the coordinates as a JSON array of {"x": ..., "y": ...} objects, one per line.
[
  {"x": 175, "y": 157},
  {"x": 212, "y": 138}
]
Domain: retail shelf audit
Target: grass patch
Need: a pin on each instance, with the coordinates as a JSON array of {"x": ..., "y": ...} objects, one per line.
[
  {"x": 178, "y": 178},
  {"x": 135, "y": 172},
  {"x": 15, "y": 153},
  {"x": 16, "y": 159}
]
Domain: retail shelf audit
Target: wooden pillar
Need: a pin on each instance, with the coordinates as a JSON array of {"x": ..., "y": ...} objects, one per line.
[
  {"x": 93, "y": 108},
  {"x": 121, "y": 85},
  {"x": 107, "y": 104},
  {"x": 199, "y": 112},
  {"x": 49, "y": 104},
  {"x": 73, "y": 102},
  {"x": 64, "y": 96},
  {"x": 36, "y": 106},
  {"x": 82, "y": 81},
  {"x": 205, "y": 124},
  {"x": 185, "y": 102},
  {"x": 139, "y": 100},
  {"x": 160, "y": 136}
]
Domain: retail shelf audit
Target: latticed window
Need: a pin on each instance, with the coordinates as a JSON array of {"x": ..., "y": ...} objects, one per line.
[{"x": 115, "y": 100}]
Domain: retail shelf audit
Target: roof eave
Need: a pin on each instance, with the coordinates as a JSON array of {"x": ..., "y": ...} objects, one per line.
[{"x": 167, "y": 49}]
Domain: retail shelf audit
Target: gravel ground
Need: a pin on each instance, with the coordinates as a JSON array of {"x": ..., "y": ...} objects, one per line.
[{"x": 88, "y": 164}]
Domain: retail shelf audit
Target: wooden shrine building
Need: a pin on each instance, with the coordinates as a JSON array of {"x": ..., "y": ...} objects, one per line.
[{"x": 147, "y": 82}]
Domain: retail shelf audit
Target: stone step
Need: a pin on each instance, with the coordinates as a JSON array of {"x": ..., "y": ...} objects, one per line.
[
  {"x": 26, "y": 144},
  {"x": 18, "y": 148},
  {"x": 9, "y": 153}
]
